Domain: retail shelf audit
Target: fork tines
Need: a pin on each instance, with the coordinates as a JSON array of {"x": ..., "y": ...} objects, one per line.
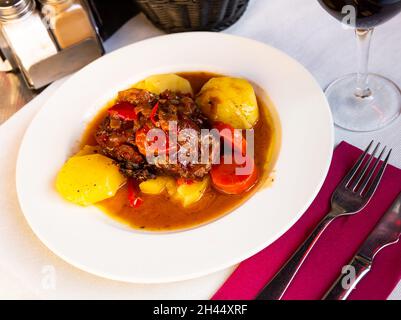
[{"x": 366, "y": 174}]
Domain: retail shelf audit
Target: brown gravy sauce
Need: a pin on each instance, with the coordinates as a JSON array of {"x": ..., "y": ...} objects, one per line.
[{"x": 157, "y": 213}]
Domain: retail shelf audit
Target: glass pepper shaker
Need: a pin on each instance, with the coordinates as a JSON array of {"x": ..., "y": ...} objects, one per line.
[{"x": 69, "y": 22}]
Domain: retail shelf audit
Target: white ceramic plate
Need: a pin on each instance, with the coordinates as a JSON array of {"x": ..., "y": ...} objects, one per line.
[{"x": 88, "y": 239}]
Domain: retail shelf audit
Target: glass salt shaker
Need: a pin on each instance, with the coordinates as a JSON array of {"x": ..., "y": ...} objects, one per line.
[{"x": 25, "y": 40}]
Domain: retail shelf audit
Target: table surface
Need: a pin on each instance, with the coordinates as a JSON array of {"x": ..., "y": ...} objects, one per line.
[{"x": 306, "y": 32}]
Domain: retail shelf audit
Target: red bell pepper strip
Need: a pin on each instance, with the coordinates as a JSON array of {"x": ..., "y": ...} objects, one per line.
[
  {"x": 123, "y": 110},
  {"x": 153, "y": 113},
  {"x": 133, "y": 199}
]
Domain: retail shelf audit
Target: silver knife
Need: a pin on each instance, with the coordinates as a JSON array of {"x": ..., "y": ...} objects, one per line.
[{"x": 387, "y": 232}]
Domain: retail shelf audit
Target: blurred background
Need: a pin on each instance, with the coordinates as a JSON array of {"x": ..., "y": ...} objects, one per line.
[
  {"x": 300, "y": 28},
  {"x": 65, "y": 35}
]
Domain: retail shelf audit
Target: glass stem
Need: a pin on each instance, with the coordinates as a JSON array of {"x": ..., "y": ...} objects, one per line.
[{"x": 363, "y": 38}]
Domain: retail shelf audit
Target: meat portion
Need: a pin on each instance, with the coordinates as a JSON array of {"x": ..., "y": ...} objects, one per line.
[
  {"x": 124, "y": 138},
  {"x": 137, "y": 97},
  {"x": 185, "y": 160},
  {"x": 118, "y": 143}
]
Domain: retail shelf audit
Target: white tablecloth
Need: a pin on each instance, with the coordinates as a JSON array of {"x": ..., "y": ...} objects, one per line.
[{"x": 298, "y": 27}]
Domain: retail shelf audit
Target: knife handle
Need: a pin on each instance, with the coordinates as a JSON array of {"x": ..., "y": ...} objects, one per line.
[
  {"x": 341, "y": 290},
  {"x": 276, "y": 288}
]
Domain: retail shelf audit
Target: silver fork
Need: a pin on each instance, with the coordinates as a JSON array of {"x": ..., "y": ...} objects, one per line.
[{"x": 351, "y": 196}]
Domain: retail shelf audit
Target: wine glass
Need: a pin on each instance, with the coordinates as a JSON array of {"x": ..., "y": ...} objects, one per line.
[{"x": 363, "y": 101}]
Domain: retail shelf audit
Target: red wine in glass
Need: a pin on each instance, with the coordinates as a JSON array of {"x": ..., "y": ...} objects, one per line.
[
  {"x": 369, "y": 13},
  {"x": 363, "y": 101}
]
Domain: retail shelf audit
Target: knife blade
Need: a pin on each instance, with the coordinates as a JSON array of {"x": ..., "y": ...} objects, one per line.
[{"x": 387, "y": 232}]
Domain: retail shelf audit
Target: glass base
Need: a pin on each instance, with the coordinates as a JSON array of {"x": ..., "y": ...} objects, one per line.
[{"x": 364, "y": 114}]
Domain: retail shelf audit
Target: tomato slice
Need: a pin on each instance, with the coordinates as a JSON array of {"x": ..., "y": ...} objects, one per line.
[
  {"x": 142, "y": 142},
  {"x": 140, "y": 139},
  {"x": 225, "y": 177},
  {"x": 227, "y": 134},
  {"x": 123, "y": 110},
  {"x": 153, "y": 113}
]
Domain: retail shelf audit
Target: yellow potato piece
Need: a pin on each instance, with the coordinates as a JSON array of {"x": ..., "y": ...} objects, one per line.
[
  {"x": 229, "y": 100},
  {"x": 88, "y": 179},
  {"x": 171, "y": 187},
  {"x": 189, "y": 194},
  {"x": 159, "y": 83},
  {"x": 185, "y": 194},
  {"x": 155, "y": 186}
]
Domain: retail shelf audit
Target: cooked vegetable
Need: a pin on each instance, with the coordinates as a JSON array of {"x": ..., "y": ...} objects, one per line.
[
  {"x": 141, "y": 139},
  {"x": 184, "y": 191},
  {"x": 171, "y": 187},
  {"x": 159, "y": 83},
  {"x": 190, "y": 193},
  {"x": 87, "y": 179},
  {"x": 227, "y": 133},
  {"x": 123, "y": 110},
  {"x": 155, "y": 186},
  {"x": 229, "y": 100},
  {"x": 181, "y": 181},
  {"x": 153, "y": 113},
  {"x": 133, "y": 199},
  {"x": 225, "y": 177}
]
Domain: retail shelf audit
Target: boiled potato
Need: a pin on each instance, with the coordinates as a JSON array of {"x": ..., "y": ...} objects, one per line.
[
  {"x": 229, "y": 100},
  {"x": 159, "y": 83},
  {"x": 155, "y": 186},
  {"x": 171, "y": 187},
  {"x": 188, "y": 194},
  {"x": 185, "y": 194},
  {"x": 87, "y": 179}
]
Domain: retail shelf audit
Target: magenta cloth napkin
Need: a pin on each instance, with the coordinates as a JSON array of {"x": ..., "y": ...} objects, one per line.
[{"x": 334, "y": 250}]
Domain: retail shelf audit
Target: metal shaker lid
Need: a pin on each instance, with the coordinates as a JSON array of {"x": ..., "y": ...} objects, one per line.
[{"x": 14, "y": 9}]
